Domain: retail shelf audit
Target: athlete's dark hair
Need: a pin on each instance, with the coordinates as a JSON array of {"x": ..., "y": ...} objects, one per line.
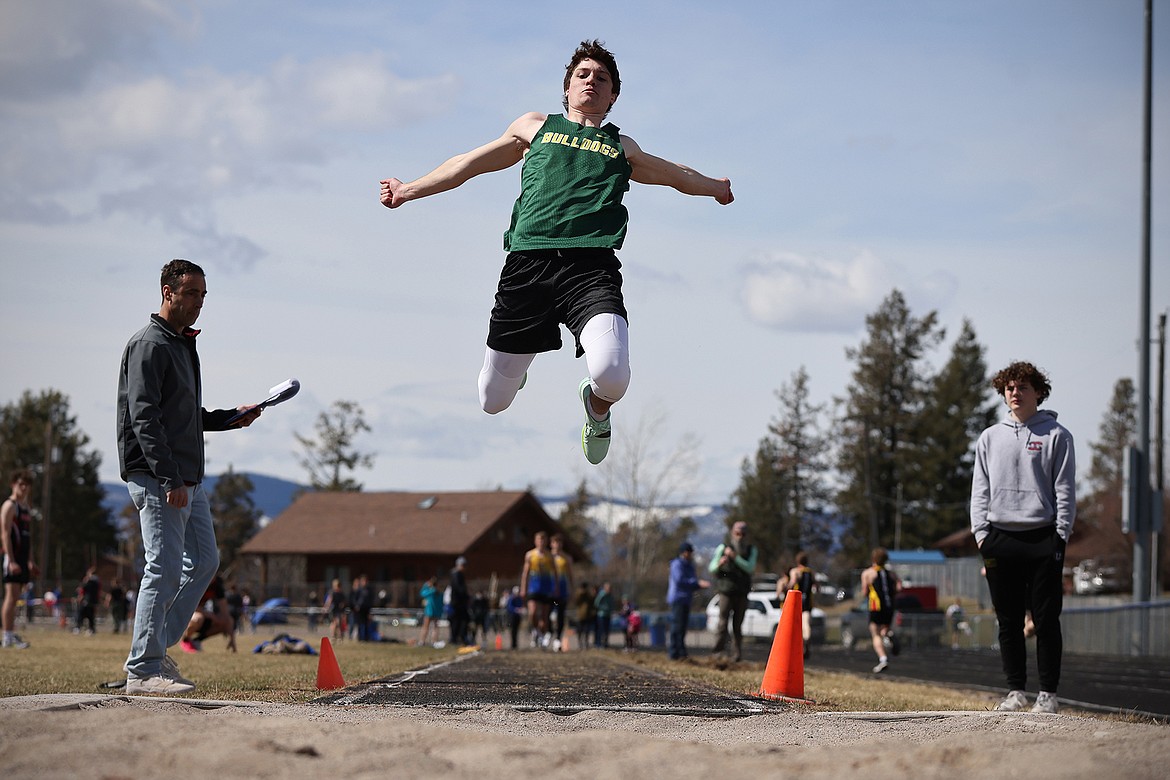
[
  {"x": 880, "y": 556},
  {"x": 174, "y": 271},
  {"x": 592, "y": 50},
  {"x": 802, "y": 558},
  {"x": 20, "y": 475},
  {"x": 1023, "y": 372}
]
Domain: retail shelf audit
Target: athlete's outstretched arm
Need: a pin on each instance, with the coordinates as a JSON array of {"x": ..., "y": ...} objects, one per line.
[
  {"x": 504, "y": 152},
  {"x": 648, "y": 169}
]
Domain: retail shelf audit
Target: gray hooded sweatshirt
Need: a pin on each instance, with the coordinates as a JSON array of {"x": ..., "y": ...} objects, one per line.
[{"x": 1025, "y": 477}]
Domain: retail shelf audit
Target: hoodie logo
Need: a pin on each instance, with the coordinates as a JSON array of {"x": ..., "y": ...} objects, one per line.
[{"x": 1035, "y": 446}]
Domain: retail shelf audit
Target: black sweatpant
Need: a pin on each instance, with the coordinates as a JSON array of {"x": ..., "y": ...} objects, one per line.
[{"x": 1025, "y": 571}]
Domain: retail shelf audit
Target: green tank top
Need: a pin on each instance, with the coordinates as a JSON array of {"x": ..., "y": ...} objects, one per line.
[{"x": 571, "y": 188}]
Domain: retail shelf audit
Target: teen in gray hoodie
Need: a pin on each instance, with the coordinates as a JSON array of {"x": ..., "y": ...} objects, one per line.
[{"x": 1023, "y": 504}]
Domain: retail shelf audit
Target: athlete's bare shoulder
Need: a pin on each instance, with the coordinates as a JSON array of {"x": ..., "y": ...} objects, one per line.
[{"x": 526, "y": 126}]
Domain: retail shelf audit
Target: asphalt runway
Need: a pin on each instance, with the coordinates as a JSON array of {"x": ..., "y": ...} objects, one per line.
[
  {"x": 1097, "y": 683},
  {"x": 560, "y": 683}
]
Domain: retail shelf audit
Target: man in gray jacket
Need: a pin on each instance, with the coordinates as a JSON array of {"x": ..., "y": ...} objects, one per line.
[
  {"x": 1023, "y": 504},
  {"x": 161, "y": 421}
]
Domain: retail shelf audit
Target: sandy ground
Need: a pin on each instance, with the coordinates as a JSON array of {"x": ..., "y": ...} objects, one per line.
[{"x": 110, "y": 737}]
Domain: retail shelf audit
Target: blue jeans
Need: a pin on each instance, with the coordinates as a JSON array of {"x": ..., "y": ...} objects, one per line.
[
  {"x": 680, "y": 615},
  {"x": 181, "y": 560}
]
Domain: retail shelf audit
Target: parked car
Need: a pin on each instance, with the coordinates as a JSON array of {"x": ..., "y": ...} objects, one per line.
[
  {"x": 763, "y": 616},
  {"x": 1090, "y": 577},
  {"x": 917, "y": 624}
]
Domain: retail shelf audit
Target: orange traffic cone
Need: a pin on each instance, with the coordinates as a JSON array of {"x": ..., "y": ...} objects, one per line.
[
  {"x": 784, "y": 674},
  {"x": 328, "y": 672},
  {"x": 499, "y": 641}
]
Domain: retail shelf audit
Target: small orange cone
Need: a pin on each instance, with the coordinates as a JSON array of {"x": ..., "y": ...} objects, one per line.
[
  {"x": 499, "y": 641},
  {"x": 328, "y": 672},
  {"x": 784, "y": 674}
]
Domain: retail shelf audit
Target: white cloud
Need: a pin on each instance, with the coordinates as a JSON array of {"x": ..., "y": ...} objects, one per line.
[
  {"x": 792, "y": 292},
  {"x": 174, "y": 150}
]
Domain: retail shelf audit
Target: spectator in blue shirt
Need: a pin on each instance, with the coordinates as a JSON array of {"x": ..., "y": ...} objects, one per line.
[{"x": 680, "y": 591}]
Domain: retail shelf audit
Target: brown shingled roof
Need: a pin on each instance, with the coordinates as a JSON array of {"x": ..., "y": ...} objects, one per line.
[{"x": 331, "y": 522}]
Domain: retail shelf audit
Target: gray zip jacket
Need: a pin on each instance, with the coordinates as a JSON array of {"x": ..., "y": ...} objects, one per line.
[
  {"x": 1025, "y": 477},
  {"x": 161, "y": 418}
]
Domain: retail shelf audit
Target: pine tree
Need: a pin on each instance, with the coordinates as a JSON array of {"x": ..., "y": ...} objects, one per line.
[
  {"x": 1100, "y": 510},
  {"x": 80, "y": 528},
  {"x": 958, "y": 409},
  {"x": 782, "y": 492},
  {"x": 803, "y": 459},
  {"x": 235, "y": 515},
  {"x": 760, "y": 500},
  {"x": 879, "y": 460}
]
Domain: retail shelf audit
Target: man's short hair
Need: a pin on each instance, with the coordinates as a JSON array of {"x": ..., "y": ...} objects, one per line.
[
  {"x": 594, "y": 50},
  {"x": 880, "y": 556},
  {"x": 1021, "y": 371},
  {"x": 174, "y": 271},
  {"x": 802, "y": 558}
]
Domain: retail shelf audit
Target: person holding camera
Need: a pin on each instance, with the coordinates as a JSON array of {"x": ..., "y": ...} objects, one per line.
[{"x": 732, "y": 564}]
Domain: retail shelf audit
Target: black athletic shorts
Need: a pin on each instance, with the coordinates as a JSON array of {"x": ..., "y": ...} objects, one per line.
[
  {"x": 16, "y": 579},
  {"x": 540, "y": 289}
]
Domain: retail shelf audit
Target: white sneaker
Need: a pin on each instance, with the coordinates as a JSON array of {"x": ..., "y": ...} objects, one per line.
[
  {"x": 15, "y": 642},
  {"x": 882, "y": 666},
  {"x": 159, "y": 684},
  {"x": 1046, "y": 702},
  {"x": 1013, "y": 702},
  {"x": 171, "y": 669}
]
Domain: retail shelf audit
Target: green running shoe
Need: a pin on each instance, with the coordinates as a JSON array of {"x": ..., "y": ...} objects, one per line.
[{"x": 594, "y": 434}]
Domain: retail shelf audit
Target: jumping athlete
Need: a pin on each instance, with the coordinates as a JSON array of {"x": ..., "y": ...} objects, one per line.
[
  {"x": 880, "y": 584},
  {"x": 566, "y": 226}
]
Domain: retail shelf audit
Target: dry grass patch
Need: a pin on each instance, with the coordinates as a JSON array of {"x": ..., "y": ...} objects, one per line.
[
  {"x": 829, "y": 691},
  {"x": 62, "y": 662}
]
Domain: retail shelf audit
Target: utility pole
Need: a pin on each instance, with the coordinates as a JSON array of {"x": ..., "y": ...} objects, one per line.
[
  {"x": 1142, "y": 525},
  {"x": 46, "y": 495},
  {"x": 1159, "y": 529}
]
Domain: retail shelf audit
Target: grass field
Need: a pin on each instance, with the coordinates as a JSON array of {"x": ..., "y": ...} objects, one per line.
[{"x": 62, "y": 662}]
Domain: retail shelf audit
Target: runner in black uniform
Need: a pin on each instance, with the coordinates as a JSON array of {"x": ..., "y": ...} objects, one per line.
[
  {"x": 16, "y": 532},
  {"x": 879, "y": 585},
  {"x": 801, "y": 578}
]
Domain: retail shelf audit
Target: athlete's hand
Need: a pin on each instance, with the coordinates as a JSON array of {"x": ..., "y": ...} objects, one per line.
[
  {"x": 725, "y": 197},
  {"x": 392, "y": 193}
]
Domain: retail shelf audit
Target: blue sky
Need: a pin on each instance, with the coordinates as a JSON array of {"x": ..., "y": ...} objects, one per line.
[{"x": 983, "y": 157}]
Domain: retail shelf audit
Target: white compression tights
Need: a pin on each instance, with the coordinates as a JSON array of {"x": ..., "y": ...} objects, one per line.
[{"x": 606, "y": 342}]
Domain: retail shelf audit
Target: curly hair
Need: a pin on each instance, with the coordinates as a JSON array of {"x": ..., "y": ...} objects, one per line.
[
  {"x": 1023, "y": 372},
  {"x": 594, "y": 50}
]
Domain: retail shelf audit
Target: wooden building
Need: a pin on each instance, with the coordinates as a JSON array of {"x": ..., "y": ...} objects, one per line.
[{"x": 399, "y": 540}]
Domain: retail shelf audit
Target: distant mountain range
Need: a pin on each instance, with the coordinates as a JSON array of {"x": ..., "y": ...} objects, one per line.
[{"x": 270, "y": 494}]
